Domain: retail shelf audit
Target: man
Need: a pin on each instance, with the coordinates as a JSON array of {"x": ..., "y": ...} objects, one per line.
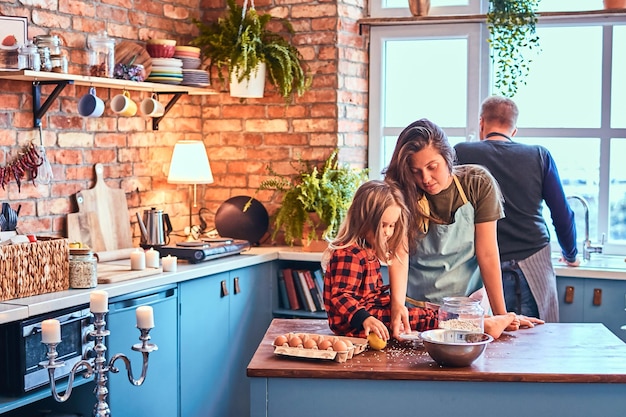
[{"x": 527, "y": 176}]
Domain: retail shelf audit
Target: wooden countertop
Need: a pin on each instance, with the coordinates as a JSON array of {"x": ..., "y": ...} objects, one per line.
[{"x": 563, "y": 352}]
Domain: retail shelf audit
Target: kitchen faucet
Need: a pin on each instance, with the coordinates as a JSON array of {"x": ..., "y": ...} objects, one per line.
[{"x": 588, "y": 248}]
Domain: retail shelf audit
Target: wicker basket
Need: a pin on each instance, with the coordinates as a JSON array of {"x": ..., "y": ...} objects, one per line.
[{"x": 34, "y": 268}]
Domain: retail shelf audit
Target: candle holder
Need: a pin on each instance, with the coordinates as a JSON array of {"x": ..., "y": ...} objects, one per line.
[{"x": 100, "y": 367}]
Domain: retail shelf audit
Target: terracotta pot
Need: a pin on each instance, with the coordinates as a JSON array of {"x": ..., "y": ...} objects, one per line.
[
  {"x": 419, "y": 7},
  {"x": 615, "y": 4}
]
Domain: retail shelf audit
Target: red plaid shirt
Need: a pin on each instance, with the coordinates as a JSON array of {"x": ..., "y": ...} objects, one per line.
[{"x": 354, "y": 290}]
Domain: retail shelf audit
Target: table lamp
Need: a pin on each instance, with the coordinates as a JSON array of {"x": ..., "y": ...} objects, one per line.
[{"x": 190, "y": 165}]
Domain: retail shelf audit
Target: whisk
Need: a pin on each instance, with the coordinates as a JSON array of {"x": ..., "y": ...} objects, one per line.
[{"x": 44, "y": 172}]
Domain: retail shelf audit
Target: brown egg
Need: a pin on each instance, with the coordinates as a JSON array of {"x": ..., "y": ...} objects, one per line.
[
  {"x": 295, "y": 342},
  {"x": 310, "y": 344},
  {"x": 348, "y": 343},
  {"x": 340, "y": 346},
  {"x": 325, "y": 345},
  {"x": 281, "y": 341}
]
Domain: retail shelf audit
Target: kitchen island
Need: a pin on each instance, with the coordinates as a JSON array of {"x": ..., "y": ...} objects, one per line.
[{"x": 561, "y": 369}]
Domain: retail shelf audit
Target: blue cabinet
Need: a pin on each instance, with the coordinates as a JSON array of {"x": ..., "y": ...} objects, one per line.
[
  {"x": 223, "y": 317},
  {"x": 589, "y": 300}
]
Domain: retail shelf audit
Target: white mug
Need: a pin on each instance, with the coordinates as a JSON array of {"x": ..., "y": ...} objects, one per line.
[
  {"x": 152, "y": 107},
  {"x": 123, "y": 105},
  {"x": 90, "y": 105}
]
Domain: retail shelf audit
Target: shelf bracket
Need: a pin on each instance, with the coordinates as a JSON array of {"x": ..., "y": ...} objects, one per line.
[
  {"x": 173, "y": 100},
  {"x": 40, "y": 109}
]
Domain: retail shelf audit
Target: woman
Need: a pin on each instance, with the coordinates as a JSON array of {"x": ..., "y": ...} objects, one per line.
[{"x": 452, "y": 226}]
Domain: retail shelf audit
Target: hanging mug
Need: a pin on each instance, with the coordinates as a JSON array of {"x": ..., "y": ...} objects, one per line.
[
  {"x": 123, "y": 105},
  {"x": 152, "y": 107},
  {"x": 91, "y": 105}
]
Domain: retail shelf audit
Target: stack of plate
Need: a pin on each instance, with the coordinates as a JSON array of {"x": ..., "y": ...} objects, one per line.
[
  {"x": 166, "y": 71},
  {"x": 195, "y": 78},
  {"x": 189, "y": 55}
]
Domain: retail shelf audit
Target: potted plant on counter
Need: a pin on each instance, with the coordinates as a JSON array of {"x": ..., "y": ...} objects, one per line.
[
  {"x": 240, "y": 46},
  {"x": 315, "y": 200}
]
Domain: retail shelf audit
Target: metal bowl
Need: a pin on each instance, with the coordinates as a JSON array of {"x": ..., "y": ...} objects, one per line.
[{"x": 453, "y": 347}]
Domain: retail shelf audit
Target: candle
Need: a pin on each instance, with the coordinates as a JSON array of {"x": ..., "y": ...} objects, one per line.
[
  {"x": 99, "y": 301},
  {"x": 152, "y": 258},
  {"x": 138, "y": 260},
  {"x": 50, "y": 331},
  {"x": 145, "y": 317},
  {"x": 169, "y": 263}
]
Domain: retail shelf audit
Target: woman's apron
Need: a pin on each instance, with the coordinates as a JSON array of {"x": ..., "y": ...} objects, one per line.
[{"x": 445, "y": 263}]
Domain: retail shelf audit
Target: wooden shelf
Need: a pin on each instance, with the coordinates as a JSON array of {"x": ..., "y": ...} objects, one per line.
[{"x": 60, "y": 80}]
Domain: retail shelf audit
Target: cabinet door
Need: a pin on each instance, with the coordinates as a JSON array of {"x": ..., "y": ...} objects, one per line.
[
  {"x": 604, "y": 302},
  {"x": 571, "y": 293},
  {"x": 204, "y": 346},
  {"x": 158, "y": 395},
  {"x": 250, "y": 316}
]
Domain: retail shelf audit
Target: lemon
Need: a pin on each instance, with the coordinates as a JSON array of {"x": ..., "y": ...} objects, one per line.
[
  {"x": 76, "y": 245},
  {"x": 376, "y": 342}
]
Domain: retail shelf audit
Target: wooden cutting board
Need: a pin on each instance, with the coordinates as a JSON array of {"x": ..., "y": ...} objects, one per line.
[
  {"x": 85, "y": 228},
  {"x": 126, "y": 51},
  {"x": 111, "y": 208},
  {"x": 109, "y": 273}
]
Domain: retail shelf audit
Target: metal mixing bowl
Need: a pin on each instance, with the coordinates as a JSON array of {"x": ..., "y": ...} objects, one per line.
[{"x": 454, "y": 347}]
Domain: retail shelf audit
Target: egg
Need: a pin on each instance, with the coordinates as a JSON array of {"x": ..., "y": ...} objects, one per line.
[
  {"x": 340, "y": 346},
  {"x": 325, "y": 345},
  {"x": 348, "y": 343},
  {"x": 281, "y": 341},
  {"x": 309, "y": 343},
  {"x": 295, "y": 342}
]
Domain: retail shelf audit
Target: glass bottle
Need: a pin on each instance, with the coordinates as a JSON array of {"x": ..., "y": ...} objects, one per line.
[
  {"x": 83, "y": 269},
  {"x": 101, "y": 55},
  {"x": 461, "y": 313}
]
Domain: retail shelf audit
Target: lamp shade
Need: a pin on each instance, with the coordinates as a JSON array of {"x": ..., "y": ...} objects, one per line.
[{"x": 190, "y": 164}]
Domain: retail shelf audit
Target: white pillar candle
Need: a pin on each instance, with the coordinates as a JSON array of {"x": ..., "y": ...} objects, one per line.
[
  {"x": 169, "y": 263},
  {"x": 50, "y": 331},
  {"x": 145, "y": 317},
  {"x": 138, "y": 260},
  {"x": 152, "y": 258},
  {"x": 99, "y": 301}
]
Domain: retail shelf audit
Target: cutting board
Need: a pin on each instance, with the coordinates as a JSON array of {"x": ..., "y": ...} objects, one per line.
[
  {"x": 85, "y": 228},
  {"x": 126, "y": 51},
  {"x": 111, "y": 208},
  {"x": 109, "y": 273}
]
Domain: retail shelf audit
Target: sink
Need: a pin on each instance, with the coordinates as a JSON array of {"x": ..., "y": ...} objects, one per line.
[{"x": 612, "y": 262}]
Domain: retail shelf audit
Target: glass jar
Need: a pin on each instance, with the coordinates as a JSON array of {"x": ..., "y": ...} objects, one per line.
[
  {"x": 101, "y": 55},
  {"x": 83, "y": 269},
  {"x": 461, "y": 313},
  {"x": 29, "y": 57},
  {"x": 55, "y": 53}
]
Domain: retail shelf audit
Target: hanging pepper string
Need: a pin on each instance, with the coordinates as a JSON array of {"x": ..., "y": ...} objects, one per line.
[{"x": 27, "y": 163}]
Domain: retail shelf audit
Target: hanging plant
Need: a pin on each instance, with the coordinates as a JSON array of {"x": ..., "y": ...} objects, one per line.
[{"x": 513, "y": 40}]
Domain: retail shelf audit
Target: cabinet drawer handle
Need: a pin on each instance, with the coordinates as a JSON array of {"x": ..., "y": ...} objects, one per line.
[
  {"x": 597, "y": 296},
  {"x": 224, "y": 289},
  {"x": 569, "y": 294},
  {"x": 237, "y": 289}
]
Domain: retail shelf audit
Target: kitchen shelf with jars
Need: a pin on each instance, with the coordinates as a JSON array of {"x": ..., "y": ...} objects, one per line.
[{"x": 39, "y": 78}]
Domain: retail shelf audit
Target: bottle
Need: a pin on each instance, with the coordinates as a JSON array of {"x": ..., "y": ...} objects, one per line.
[
  {"x": 83, "y": 269},
  {"x": 462, "y": 313},
  {"x": 29, "y": 57},
  {"x": 101, "y": 55}
]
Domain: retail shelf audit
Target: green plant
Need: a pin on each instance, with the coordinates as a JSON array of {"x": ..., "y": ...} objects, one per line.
[
  {"x": 327, "y": 192},
  {"x": 511, "y": 24},
  {"x": 240, "y": 42}
]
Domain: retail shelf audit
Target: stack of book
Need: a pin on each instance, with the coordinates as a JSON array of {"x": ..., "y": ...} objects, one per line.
[{"x": 301, "y": 289}]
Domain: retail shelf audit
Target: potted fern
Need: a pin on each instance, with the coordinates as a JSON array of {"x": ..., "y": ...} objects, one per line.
[
  {"x": 511, "y": 24},
  {"x": 240, "y": 46},
  {"x": 315, "y": 200}
]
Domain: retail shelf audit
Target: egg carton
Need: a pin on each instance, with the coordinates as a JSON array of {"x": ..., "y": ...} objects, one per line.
[{"x": 358, "y": 346}]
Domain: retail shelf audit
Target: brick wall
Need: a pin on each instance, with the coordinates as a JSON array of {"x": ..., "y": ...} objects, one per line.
[{"x": 241, "y": 138}]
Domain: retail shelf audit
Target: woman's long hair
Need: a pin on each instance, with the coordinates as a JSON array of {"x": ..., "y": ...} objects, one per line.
[{"x": 415, "y": 137}]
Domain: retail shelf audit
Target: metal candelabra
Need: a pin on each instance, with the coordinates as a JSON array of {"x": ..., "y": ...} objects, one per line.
[{"x": 100, "y": 366}]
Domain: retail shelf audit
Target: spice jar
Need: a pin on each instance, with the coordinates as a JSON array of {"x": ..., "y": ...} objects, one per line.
[
  {"x": 57, "y": 56},
  {"x": 28, "y": 57},
  {"x": 461, "y": 313},
  {"x": 83, "y": 269},
  {"x": 101, "y": 55}
]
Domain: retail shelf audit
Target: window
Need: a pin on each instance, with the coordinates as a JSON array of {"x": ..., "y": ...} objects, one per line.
[{"x": 574, "y": 102}]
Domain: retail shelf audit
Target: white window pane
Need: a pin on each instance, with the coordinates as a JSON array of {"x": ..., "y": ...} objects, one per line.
[
  {"x": 418, "y": 86},
  {"x": 578, "y": 163},
  {"x": 569, "y": 5},
  {"x": 565, "y": 81},
  {"x": 618, "y": 82},
  {"x": 433, "y": 3},
  {"x": 617, "y": 191}
]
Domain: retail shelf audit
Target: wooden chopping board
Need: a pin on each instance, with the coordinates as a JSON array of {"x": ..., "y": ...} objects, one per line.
[
  {"x": 85, "y": 228},
  {"x": 125, "y": 51},
  {"x": 111, "y": 208},
  {"x": 109, "y": 273}
]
